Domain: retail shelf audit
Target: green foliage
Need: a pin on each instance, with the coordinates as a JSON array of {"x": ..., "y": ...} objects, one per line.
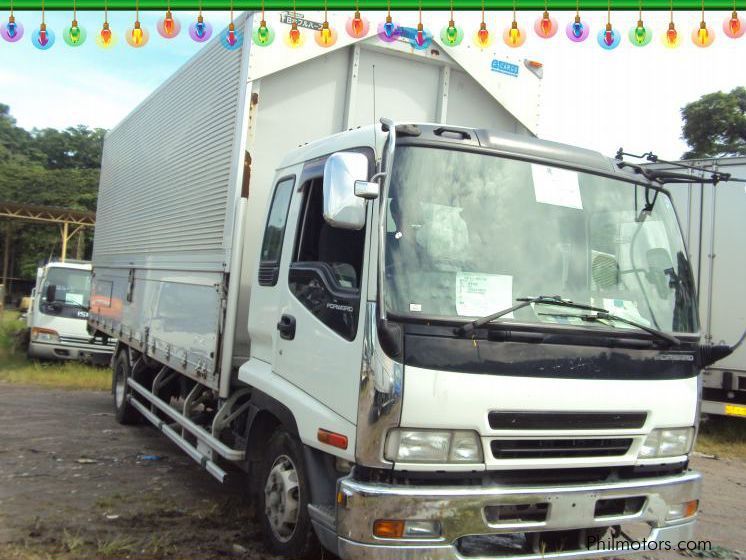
[
  {"x": 715, "y": 125},
  {"x": 46, "y": 167}
]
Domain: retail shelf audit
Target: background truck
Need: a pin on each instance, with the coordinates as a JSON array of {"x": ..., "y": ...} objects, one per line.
[
  {"x": 712, "y": 218},
  {"x": 300, "y": 292},
  {"x": 57, "y": 317}
]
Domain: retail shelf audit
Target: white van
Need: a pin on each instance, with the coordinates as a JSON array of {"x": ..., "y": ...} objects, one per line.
[{"x": 58, "y": 316}]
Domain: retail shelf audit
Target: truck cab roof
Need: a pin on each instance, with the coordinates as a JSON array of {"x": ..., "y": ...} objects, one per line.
[{"x": 506, "y": 144}]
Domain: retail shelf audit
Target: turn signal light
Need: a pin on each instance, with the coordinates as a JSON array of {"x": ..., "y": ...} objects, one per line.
[
  {"x": 388, "y": 528},
  {"x": 683, "y": 511},
  {"x": 331, "y": 438}
]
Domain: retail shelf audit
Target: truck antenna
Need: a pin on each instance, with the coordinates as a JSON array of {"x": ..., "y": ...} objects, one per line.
[{"x": 374, "y": 105}]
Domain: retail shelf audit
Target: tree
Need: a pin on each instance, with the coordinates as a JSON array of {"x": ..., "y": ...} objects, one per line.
[
  {"x": 715, "y": 125},
  {"x": 46, "y": 167}
]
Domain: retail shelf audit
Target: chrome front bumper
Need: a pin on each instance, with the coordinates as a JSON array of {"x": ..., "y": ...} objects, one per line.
[{"x": 461, "y": 513}]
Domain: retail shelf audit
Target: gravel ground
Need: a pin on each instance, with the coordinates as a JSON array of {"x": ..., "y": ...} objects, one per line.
[{"x": 75, "y": 484}]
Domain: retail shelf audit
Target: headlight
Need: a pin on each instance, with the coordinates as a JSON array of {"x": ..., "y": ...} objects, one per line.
[
  {"x": 667, "y": 442},
  {"x": 44, "y": 335},
  {"x": 433, "y": 446}
]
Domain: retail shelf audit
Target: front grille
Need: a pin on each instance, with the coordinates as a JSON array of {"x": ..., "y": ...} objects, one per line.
[
  {"x": 75, "y": 340},
  {"x": 567, "y": 420},
  {"x": 558, "y": 448}
]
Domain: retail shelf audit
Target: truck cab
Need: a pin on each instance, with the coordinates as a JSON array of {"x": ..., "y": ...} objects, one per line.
[
  {"x": 554, "y": 426},
  {"x": 58, "y": 315}
]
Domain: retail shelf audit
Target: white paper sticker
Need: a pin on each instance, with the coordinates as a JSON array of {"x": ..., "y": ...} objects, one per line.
[
  {"x": 556, "y": 186},
  {"x": 415, "y": 307},
  {"x": 75, "y": 299},
  {"x": 480, "y": 294}
]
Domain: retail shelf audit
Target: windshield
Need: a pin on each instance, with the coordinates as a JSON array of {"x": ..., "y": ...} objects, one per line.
[
  {"x": 467, "y": 234},
  {"x": 73, "y": 286}
]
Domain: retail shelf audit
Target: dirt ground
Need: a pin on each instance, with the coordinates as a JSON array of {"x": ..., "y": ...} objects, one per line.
[{"x": 75, "y": 484}]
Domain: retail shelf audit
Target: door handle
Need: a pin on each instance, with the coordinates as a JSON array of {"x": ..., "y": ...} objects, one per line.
[{"x": 286, "y": 326}]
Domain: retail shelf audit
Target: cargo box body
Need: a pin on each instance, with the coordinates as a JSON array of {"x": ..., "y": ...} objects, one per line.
[
  {"x": 712, "y": 219},
  {"x": 186, "y": 176}
]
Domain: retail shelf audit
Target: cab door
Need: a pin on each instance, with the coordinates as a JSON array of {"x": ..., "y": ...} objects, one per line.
[
  {"x": 320, "y": 318},
  {"x": 267, "y": 286}
]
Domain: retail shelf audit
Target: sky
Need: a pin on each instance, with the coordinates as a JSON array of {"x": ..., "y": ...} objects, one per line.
[{"x": 629, "y": 97}]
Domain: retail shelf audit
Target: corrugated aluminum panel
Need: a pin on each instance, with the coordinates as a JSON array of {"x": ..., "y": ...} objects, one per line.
[{"x": 168, "y": 183}]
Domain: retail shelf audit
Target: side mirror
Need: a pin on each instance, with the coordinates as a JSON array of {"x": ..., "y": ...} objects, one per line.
[
  {"x": 51, "y": 293},
  {"x": 342, "y": 208}
]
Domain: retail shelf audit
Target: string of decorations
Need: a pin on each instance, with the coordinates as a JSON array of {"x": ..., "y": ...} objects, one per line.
[{"x": 357, "y": 27}]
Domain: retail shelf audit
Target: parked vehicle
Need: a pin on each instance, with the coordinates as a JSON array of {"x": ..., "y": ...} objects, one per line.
[
  {"x": 413, "y": 340},
  {"x": 57, "y": 317},
  {"x": 712, "y": 218}
]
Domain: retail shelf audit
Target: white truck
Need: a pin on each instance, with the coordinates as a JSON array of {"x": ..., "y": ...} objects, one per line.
[
  {"x": 712, "y": 218},
  {"x": 413, "y": 340},
  {"x": 57, "y": 317}
]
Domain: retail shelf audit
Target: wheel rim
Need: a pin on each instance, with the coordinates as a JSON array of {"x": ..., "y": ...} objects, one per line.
[
  {"x": 119, "y": 387},
  {"x": 282, "y": 498}
]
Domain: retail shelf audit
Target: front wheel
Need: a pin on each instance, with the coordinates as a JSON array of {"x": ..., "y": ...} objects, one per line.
[
  {"x": 283, "y": 500},
  {"x": 125, "y": 413}
]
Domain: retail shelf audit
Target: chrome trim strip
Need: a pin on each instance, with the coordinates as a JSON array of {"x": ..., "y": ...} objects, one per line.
[
  {"x": 460, "y": 509},
  {"x": 380, "y": 397},
  {"x": 350, "y": 549}
]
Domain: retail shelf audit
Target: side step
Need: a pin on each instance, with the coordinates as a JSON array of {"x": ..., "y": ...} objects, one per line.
[
  {"x": 202, "y": 435},
  {"x": 324, "y": 521}
]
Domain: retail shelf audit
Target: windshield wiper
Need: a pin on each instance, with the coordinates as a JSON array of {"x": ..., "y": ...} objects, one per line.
[
  {"x": 471, "y": 326},
  {"x": 606, "y": 316}
]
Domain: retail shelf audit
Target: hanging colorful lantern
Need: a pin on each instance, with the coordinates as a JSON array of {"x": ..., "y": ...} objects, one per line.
[
  {"x": 482, "y": 38},
  {"x": 137, "y": 36},
  {"x": 263, "y": 35},
  {"x": 546, "y": 26},
  {"x": 106, "y": 37},
  {"x": 733, "y": 27},
  {"x": 357, "y": 26},
  {"x": 514, "y": 36},
  {"x": 703, "y": 36},
  {"x": 43, "y": 38},
  {"x": 326, "y": 36},
  {"x": 577, "y": 30},
  {"x": 74, "y": 35},
  {"x": 200, "y": 30},
  {"x": 12, "y": 30},
  {"x": 421, "y": 39},
  {"x": 168, "y": 26},
  {"x": 671, "y": 36},
  {"x": 388, "y": 31},
  {"x": 451, "y": 35},
  {"x": 231, "y": 38},
  {"x": 609, "y": 38}
]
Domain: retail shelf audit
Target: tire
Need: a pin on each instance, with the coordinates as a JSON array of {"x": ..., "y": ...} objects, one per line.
[
  {"x": 286, "y": 526},
  {"x": 124, "y": 412}
]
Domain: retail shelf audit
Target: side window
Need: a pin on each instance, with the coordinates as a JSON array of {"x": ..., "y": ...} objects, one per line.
[
  {"x": 269, "y": 262},
  {"x": 327, "y": 267}
]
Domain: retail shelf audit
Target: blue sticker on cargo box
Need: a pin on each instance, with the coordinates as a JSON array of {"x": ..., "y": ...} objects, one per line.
[{"x": 504, "y": 67}]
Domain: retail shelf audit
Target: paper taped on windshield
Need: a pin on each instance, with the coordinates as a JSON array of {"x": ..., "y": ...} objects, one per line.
[
  {"x": 559, "y": 187},
  {"x": 479, "y": 294}
]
